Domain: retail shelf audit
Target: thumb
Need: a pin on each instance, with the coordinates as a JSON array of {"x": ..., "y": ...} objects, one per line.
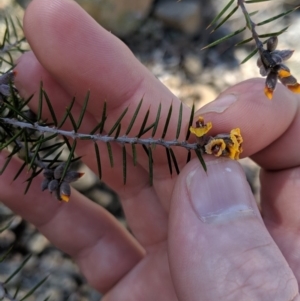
[{"x": 219, "y": 248}]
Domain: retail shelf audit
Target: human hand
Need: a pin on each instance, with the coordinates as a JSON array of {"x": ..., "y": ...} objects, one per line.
[{"x": 198, "y": 236}]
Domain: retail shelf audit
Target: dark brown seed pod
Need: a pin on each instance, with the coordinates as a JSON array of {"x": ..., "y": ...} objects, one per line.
[
  {"x": 64, "y": 191},
  {"x": 6, "y": 78},
  {"x": 284, "y": 54},
  {"x": 45, "y": 184},
  {"x": 48, "y": 173},
  {"x": 272, "y": 44},
  {"x": 53, "y": 185},
  {"x": 72, "y": 176},
  {"x": 58, "y": 171},
  {"x": 288, "y": 81}
]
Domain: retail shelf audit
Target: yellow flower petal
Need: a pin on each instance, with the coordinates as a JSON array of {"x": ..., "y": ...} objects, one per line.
[
  {"x": 284, "y": 73},
  {"x": 65, "y": 197},
  {"x": 200, "y": 131},
  {"x": 235, "y": 136},
  {"x": 235, "y": 149},
  {"x": 215, "y": 147},
  {"x": 295, "y": 88},
  {"x": 269, "y": 92}
]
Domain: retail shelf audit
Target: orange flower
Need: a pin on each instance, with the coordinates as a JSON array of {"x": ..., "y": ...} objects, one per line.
[
  {"x": 215, "y": 147},
  {"x": 235, "y": 148},
  {"x": 226, "y": 145},
  {"x": 201, "y": 128}
]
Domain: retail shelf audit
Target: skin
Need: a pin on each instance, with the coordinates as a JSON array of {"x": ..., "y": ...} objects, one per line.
[{"x": 174, "y": 254}]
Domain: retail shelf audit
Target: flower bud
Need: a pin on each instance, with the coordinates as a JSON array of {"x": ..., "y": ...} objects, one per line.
[
  {"x": 53, "y": 185},
  {"x": 64, "y": 191},
  {"x": 72, "y": 176},
  {"x": 58, "y": 171},
  {"x": 272, "y": 43}
]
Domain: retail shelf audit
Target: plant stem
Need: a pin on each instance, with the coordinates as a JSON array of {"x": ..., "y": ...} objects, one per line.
[{"x": 102, "y": 138}]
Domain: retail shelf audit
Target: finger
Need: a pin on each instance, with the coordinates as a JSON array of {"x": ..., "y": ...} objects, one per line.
[
  {"x": 280, "y": 209},
  {"x": 262, "y": 122},
  {"x": 140, "y": 201},
  {"x": 225, "y": 251},
  {"x": 101, "y": 64},
  {"x": 80, "y": 228},
  {"x": 270, "y": 129}
]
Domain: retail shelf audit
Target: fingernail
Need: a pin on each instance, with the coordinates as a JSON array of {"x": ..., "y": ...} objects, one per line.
[
  {"x": 222, "y": 194},
  {"x": 220, "y": 104}
]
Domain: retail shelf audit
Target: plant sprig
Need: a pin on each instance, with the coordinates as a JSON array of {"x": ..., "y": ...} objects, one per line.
[{"x": 41, "y": 143}]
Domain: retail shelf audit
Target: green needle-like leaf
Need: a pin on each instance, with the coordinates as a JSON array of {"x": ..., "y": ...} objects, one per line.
[
  {"x": 134, "y": 155},
  {"x": 255, "y": 1},
  {"x": 30, "y": 179},
  {"x": 244, "y": 42},
  {"x": 35, "y": 155},
  {"x": 174, "y": 161},
  {"x": 5, "y": 165},
  {"x": 40, "y": 105},
  {"x": 5, "y": 36},
  {"x": 58, "y": 144},
  {"x": 167, "y": 122},
  {"x": 143, "y": 124},
  {"x": 277, "y": 16},
  {"x": 51, "y": 110},
  {"x": 26, "y": 102},
  {"x": 98, "y": 160},
  {"x": 117, "y": 122},
  {"x": 118, "y": 131},
  {"x": 179, "y": 122},
  {"x": 53, "y": 149},
  {"x": 12, "y": 139},
  {"x": 224, "y": 38},
  {"x": 188, "y": 159},
  {"x": 103, "y": 119},
  {"x": 253, "y": 13},
  {"x": 6, "y": 254},
  {"x": 54, "y": 160},
  {"x": 13, "y": 27},
  {"x": 72, "y": 119},
  {"x": 220, "y": 14},
  {"x": 83, "y": 110},
  {"x": 14, "y": 108},
  {"x": 34, "y": 288},
  {"x": 225, "y": 19},
  {"x": 272, "y": 34},
  {"x": 252, "y": 53},
  {"x": 68, "y": 162},
  {"x": 100, "y": 125},
  {"x": 67, "y": 143},
  {"x": 110, "y": 154},
  {"x": 134, "y": 117},
  {"x": 7, "y": 27},
  {"x": 156, "y": 120},
  {"x": 124, "y": 163},
  {"x": 48, "y": 138},
  {"x": 5, "y": 227},
  {"x": 190, "y": 122},
  {"x": 68, "y": 109},
  {"x": 25, "y": 143},
  {"x": 199, "y": 155},
  {"x": 148, "y": 128},
  {"x": 17, "y": 290},
  {"x": 18, "y": 269}
]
